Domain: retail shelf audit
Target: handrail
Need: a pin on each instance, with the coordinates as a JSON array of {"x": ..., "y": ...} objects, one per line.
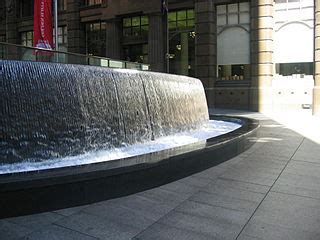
[{"x": 103, "y": 60}]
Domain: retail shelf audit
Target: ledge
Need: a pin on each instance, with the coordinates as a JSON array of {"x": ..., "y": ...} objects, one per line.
[{"x": 47, "y": 190}]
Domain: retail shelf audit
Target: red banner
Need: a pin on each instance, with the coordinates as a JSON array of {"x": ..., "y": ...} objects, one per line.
[{"x": 42, "y": 24}]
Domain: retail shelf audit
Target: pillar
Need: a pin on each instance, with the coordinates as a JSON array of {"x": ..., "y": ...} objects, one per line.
[
  {"x": 76, "y": 30},
  {"x": 316, "y": 90},
  {"x": 184, "y": 63},
  {"x": 261, "y": 55},
  {"x": 157, "y": 42},
  {"x": 113, "y": 44},
  {"x": 205, "y": 46},
  {"x": 12, "y": 35},
  {"x": 3, "y": 10}
]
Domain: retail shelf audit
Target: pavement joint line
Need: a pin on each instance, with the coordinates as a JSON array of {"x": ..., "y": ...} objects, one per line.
[
  {"x": 213, "y": 205},
  {"x": 230, "y": 179},
  {"x": 297, "y": 195},
  {"x": 305, "y": 161},
  {"x": 178, "y": 228},
  {"x": 270, "y": 189},
  {"x": 71, "y": 229}
]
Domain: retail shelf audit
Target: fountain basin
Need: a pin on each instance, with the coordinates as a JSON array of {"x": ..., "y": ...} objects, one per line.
[
  {"x": 46, "y": 190},
  {"x": 56, "y": 112}
]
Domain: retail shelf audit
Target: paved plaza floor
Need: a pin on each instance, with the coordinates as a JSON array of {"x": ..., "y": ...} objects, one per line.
[{"x": 271, "y": 191}]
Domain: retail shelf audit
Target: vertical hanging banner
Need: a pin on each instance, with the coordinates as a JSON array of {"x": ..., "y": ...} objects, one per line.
[{"x": 43, "y": 37}]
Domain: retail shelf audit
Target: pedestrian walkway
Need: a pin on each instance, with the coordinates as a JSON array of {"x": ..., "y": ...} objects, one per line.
[{"x": 271, "y": 191}]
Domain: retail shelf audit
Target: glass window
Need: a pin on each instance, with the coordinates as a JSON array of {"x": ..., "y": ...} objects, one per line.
[
  {"x": 136, "y": 53},
  {"x": 190, "y": 14},
  {"x": 234, "y": 72},
  {"x": 233, "y": 14},
  {"x": 172, "y": 16},
  {"x": 233, "y": 8},
  {"x": 288, "y": 69},
  {"x": 135, "y": 26},
  {"x": 27, "y": 38},
  {"x": 92, "y": 2},
  {"x": 221, "y": 9},
  {"x": 244, "y": 7},
  {"x": 180, "y": 20},
  {"x": 62, "y": 36},
  {"x": 96, "y": 38},
  {"x": 182, "y": 15}
]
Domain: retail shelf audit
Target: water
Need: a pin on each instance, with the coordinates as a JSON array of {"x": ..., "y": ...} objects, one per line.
[
  {"x": 208, "y": 130},
  {"x": 50, "y": 110}
]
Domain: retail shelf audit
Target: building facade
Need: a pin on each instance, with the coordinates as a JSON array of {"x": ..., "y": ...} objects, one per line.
[{"x": 260, "y": 55}]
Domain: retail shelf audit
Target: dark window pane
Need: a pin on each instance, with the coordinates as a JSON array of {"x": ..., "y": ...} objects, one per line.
[
  {"x": 127, "y": 22},
  {"x": 182, "y": 15},
  {"x": 172, "y": 25},
  {"x": 144, "y": 20},
  {"x": 126, "y": 32},
  {"x": 234, "y": 72},
  {"x": 136, "y": 53},
  {"x": 287, "y": 69},
  {"x": 136, "y": 31},
  {"x": 182, "y": 24},
  {"x": 190, "y": 14},
  {"x": 172, "y": 16},
  {"x": 190, "y": 23},
  {"x": 135, "y": 21},
  {"x": 135, "y": 26}
]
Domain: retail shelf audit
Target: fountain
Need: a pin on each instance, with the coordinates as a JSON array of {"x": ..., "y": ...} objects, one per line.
[{"x": 62, "y": 113}]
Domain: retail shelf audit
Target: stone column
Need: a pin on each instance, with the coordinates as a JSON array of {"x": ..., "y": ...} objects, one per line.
[
  {"x": 261, "y": 55},
  {"x": 205, "y": 46},
  {"x": 184, "y": 70},
  {"x": 316, "y": 90},
  {"x": 12, "y": 35},
  {"x": 113, "y": 44},
  {"x": 76, "y": 30},
  {"x": 157, "y": 42},
  {"x": 3, "y": 14}
]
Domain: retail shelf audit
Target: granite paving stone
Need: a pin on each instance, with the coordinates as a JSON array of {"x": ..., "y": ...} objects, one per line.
[
  {"x": 99, "y": 227},
  {"x": 223, "y": 188},
  {"x": 251, "y": 187},
  {"x": 54, "y": 232},
  {"x": 247, "y": 237},
  {"x": 220, "y": 214},
  {"x": 298, "y": 185},
  {"x": 187, "y": 185},
  {"x": 249, "y": 175},
  {"x": 216, "y": 228},
  {"x": 11, "y": 231},
  {"x": 139, "y": 204},
  {"x": 36, "y": 221},
  {"x": 262, "y": 230},
  {"x": 165, "y": 196},
  {"x": 165, "y": 232},
  {"x": 225, "y": 201},
  {"x": 290, "y": 211},
  {"x": 70, "y": 211}
]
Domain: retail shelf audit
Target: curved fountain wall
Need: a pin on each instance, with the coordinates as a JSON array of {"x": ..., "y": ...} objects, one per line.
[{"x": 52, "y": 110}]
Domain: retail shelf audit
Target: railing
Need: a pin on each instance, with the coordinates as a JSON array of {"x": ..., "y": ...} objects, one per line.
[{"x": 11, "y": 51}]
